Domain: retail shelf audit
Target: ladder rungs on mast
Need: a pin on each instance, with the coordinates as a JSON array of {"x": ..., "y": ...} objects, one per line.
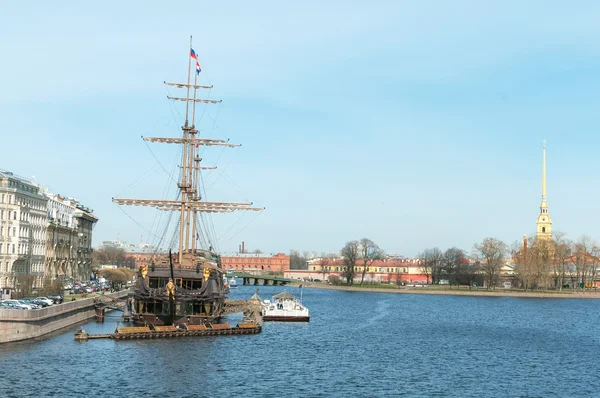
[
  {"x": 182, "y": 85},
  {"x": 205, "y": 101}
]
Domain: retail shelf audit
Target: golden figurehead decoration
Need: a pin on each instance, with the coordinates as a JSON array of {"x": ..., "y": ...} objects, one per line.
[
  {"x": 143, "y": 271},
  {"x": 206, "y": 273},
  {"x": 171, "y": 288}
]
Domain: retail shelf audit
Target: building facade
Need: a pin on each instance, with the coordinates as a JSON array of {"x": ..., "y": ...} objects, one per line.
[
  {"x": 256, "y": 262},
  {"x": 390, "y": 270},
  {"x": 61, "y": 236},
  {"x": 85, "y": 220},
  {"x": 22, "y": 230},
  {"x": 41, "y": 234}
]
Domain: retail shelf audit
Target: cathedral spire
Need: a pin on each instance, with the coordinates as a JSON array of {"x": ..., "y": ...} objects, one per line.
[
  {"x": 544, "y": 224},
  {"x": 544, "y": 171}
]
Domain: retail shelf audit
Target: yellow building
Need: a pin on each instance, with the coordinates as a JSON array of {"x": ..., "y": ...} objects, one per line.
[{"x": 544, "y": 223}]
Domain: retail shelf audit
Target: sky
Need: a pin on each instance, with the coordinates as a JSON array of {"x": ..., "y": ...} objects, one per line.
[{"x": 414, "y": 124}]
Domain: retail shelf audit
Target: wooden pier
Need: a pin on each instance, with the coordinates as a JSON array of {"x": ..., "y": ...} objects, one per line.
[{"x": 167, "y": 332}]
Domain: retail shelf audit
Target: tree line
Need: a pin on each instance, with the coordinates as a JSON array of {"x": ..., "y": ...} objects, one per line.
[{"x": 554, "y": 263}]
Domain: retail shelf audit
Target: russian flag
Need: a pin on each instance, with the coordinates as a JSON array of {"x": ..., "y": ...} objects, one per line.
[
  {"x": 193, "y": 54},
  {"x": 198, "y": 70}
]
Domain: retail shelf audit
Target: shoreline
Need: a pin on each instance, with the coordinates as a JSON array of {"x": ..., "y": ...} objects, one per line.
[{"x": 476, "y": 293}]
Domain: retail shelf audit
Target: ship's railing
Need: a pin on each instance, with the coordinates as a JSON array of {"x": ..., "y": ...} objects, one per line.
[{"x": 179, "y": 292}]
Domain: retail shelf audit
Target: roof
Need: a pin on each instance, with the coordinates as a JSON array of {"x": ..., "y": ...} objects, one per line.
[{"x": 284, "y": 296}]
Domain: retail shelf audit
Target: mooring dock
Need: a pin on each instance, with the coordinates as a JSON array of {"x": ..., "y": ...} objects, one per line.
[{"x": 162, "y": 332}]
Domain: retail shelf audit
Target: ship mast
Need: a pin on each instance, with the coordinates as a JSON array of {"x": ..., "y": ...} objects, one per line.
[{"x": 190, "y": 202}]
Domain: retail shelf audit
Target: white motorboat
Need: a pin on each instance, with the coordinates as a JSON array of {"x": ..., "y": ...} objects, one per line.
[
  {"x": 284, "y": 307},
  {"x": 232, "y": 283}
]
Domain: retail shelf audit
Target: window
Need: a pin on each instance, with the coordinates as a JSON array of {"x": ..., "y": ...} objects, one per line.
[
  {"x": 13, "y": 248},
  {"x": 0, "y": 248},
  {"x": 543, "y": 229},
  {"x": 14, "y": 231}
]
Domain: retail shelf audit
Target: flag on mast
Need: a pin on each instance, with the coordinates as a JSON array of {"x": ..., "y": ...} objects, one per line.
[
  {"x": 193, "y": 54},
  {"x": 198, "y": 70}
]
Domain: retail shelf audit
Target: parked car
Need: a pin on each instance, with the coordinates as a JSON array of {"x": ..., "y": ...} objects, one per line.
[
  {"x": 35, "y": 301},
  {"x": 46, "y": 300},
  {"x": 57, "y": 298},
  {"x": 18, "y": 304}
]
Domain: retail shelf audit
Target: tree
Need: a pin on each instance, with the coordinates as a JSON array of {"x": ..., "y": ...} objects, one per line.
[
  {"x": 492, "y": 253},
  {"x": 118, "y": 276},
  {"x": 453, "y": 261},
  {"x": 431, "y": 260},
  {"x": 350, "y": 253},
  {"x": 369, "y": 252},
  {"x": 297, "y": 261},
  {"x": 24, "y": 284},
  {"x": 470, "y": 271},
  {"x": 108, "y": 255},
  {"x": 582, "y": 258},
  {"x": 258, "y": 251},
  {"x": 522, "y": 255},
  {"x": 52, "y": 286},
  {"x": 561, "y": 254}
]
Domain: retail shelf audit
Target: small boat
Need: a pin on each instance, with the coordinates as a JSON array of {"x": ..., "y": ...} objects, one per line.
[
  {"x": 284, "y": 308},
  {"x": 233, "y": 283}
]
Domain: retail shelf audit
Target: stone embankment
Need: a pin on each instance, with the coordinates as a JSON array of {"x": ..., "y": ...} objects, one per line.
[
  {"x": 457, "y": 292},
  {"x": 18, "y": 325}
]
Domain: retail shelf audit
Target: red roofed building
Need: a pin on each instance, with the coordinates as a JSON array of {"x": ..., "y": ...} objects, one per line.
[
  {"x": 381, "y": 271},
  {"x": 256, "y": 262}
]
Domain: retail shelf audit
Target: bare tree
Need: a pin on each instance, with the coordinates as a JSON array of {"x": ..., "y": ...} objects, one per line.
[
  {"x": 522, "y": 256},
  {"x": 470, "y": 271},
  {"x": 431, "y": 263},
  {"x": 453, "y": 261},
  {"x": 369, "y": 252},
  {"x": 109, "y": 255},
  {"x": 561, "y": 252},
  {"x": 350, "y": 253},
  {"x": 581, "y": 259},
  {"x": 297, "y": 261},
  {"x": 492, "y": 252}
]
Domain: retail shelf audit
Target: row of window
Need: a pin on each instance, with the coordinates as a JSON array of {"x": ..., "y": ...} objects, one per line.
[
  {"x": 359, "y": 269},
  {"x": 23, "y": 216},
  {"x": 22, "y": 249}
]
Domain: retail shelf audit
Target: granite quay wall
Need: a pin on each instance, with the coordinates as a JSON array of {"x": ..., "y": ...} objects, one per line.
[
  {"x": 459, "y": 292},
  {"x": 16, "y": 325}
]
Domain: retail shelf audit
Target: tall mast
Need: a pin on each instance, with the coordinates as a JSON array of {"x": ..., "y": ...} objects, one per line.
[
  {"x": 184, "y": 184},
  {"x": 190, "y": 166},
  {"x": 193, "y": 170},
  {"x": 190, "y": 203}
]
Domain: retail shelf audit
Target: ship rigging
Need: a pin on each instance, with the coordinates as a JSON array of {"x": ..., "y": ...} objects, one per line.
[{"x": 187, "y": 287}]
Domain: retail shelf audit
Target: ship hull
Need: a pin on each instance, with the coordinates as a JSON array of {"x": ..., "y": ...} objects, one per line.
[{"x": 283, "y": 318}]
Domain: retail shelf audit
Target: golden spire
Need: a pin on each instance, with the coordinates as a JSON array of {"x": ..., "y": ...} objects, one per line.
[
  {"x": 544, "y": 171},
  {"x": 544, "y": 223}
]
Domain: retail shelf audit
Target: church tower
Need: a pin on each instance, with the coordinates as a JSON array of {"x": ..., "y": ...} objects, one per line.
[{"x": 544, "y": 224}]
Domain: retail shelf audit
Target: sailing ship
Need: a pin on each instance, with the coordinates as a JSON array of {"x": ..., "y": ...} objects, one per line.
[{"x": 188, "y": 287}]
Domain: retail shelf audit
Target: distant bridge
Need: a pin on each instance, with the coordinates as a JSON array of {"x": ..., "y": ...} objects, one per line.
[{"x": 250, "y": 279}]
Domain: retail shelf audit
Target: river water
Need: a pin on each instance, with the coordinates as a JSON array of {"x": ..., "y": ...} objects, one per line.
[{"x": 356, "y": 344}]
